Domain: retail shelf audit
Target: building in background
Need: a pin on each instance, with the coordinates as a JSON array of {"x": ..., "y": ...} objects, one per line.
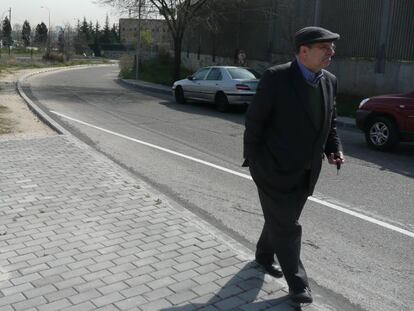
[{"x": 155, "y": 35}]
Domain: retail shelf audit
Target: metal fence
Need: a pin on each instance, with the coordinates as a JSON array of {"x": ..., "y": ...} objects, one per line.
[{"x": 368, "y": 28}]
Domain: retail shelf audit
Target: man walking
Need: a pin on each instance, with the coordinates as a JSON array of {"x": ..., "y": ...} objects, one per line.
[{"x": 290, "y": 125}]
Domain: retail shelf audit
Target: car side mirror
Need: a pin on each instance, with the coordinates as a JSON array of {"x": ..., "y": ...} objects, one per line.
[{"x": 190, "y": 78}]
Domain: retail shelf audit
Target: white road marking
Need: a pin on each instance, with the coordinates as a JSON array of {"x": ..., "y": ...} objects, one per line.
[{"x": 221, "y": 168}]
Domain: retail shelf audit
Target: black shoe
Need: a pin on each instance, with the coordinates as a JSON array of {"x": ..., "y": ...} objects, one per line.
[
  {"x": 301, "y": 296},
  {"x": 271, "y": 269}
]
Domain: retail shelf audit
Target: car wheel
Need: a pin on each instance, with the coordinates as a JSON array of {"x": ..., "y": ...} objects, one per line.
[
  {"x": 222, "y": 102},
  {"x": 381, "y": 133},
  {"x": 179, "y": 95}
]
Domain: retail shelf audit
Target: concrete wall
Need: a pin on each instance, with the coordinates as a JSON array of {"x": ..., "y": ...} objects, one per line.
[
  {"x": 356, "y": 77},
  {"x": 359, "y": 77}
]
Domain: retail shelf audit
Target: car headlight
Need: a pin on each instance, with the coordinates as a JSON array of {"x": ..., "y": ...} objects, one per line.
[{"x": 363, "y": 102}]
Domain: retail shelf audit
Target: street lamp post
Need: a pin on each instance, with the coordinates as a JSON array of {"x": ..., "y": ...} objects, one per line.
[{"x": 49, "y": 30}]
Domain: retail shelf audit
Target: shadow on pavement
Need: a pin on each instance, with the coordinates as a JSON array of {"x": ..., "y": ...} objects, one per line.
[{"x": 240, "y": 289}]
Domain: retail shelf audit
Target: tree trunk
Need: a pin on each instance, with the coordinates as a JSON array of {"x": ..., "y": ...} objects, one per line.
[{"x": 177, "y": 58}]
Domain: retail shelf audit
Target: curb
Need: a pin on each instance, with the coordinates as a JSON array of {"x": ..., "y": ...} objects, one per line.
[
  {"x": 35, "y": 108},
  {"x": 345, "y": 124},
  {"x": 154, "y": 88}
]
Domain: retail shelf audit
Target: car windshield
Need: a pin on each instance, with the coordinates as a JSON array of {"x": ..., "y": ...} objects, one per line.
[{"x": 243, "y": 73}]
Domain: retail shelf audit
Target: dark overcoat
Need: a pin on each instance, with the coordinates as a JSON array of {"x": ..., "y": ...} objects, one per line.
[{"x": 281, "y": 137}]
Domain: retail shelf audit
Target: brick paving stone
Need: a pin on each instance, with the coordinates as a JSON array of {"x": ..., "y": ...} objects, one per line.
[
  {"x": 84, "y": 296},
  {"x": 206, "y": 300},
  {"x": 227, "y": 271},
  {"x": 252, "y": 295},
  {"x": 25, "y": 278},
  {"x": 28, "y": 303},
  {"x": 156, "y": 305},
  {"x": 229, "y": 291},
  {"x": 115, "y": 287},
  {"x": 60, "y": 294},
  {"x": 163, "y": 273},
  {"x": 131, "y": 302},
  {"x": 47, "y": 280},
  {"x": 84, "y": 235},
  {"x": 134, "y": 272},
  {"x": 185, "y": 275},
  {"x": 136, "y": 290},
  {"x": 40, "y": 291},
  {"x": 16, "y": 289},
  {"x": 108, "y": 308},
  {"x": 159, "y": 283},
  {"x": 256, "y": 306},
  {"x": 229, "y": 303},
  {"x": 158, "y": 294},
  {"x": 69, "y": 283},
  {"x": 107, "y": 299},
  {"x": 205, "y": 278},
  {"x": 86, "y": 306},
  {"x": 183, "y": 296},
  {"x": 186, "y": 266},
  {"x": 142, "y": 279},
  {"x": 207, "y": 268},
  {"x": 206, "y": 288},
  {"x": 184, "y": 285},
  {"x": 55, "y": 306}
]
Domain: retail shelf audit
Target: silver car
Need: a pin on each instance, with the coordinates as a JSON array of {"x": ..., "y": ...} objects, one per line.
[{"x": 222, "y": 85}]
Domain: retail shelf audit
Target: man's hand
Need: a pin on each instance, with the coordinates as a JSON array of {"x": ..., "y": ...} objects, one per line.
[{"x": 336, "y": 158}]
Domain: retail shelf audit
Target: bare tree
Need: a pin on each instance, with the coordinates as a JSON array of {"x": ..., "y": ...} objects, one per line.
[{"x": 177, "y": 14}]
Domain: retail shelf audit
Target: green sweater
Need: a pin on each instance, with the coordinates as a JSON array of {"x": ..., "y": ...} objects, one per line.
[{"x": 315, "y": 103}]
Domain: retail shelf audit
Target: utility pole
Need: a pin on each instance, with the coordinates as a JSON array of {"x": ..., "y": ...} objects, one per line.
[{"x": 138, "y": 52}]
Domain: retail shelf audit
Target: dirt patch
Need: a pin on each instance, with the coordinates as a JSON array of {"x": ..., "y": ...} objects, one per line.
[
  {"x": 6, "y": 124},
  {"x": 16, "y": 119}
]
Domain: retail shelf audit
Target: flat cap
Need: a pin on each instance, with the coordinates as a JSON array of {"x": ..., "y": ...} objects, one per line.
[{"x": 314, "y": 34}]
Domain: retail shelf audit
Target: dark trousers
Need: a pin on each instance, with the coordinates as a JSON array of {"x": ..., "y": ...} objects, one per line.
[{"x": 282, "y": 233}]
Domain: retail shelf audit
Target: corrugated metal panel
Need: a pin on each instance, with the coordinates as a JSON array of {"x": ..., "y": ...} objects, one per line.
[
  {"x": 358, "y": 23},
  {"x": 401, "y": 35},
  {"x": 264, "y": 26}
]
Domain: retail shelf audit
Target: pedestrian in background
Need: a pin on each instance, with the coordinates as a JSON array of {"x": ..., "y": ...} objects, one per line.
[{"x": 290, "y": 126}]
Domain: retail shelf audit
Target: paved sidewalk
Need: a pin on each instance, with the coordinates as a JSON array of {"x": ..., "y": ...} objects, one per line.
[{"x": 77, "y": 232}]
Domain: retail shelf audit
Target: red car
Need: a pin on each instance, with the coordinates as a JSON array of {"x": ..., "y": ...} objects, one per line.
[{"x": 387, "y": 120}]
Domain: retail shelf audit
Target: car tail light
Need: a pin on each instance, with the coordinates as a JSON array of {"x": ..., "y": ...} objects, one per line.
[{"x": 242, "y": 87}]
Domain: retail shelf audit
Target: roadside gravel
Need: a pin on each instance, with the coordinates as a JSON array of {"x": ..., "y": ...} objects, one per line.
[{"x": 16, "y": 119}]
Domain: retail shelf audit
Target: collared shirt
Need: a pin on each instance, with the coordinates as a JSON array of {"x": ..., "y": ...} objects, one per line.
[{"x": 310, "y": 76}]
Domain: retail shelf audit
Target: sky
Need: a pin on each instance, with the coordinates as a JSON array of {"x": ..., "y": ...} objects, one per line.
[{"x": 61, "y": 12}]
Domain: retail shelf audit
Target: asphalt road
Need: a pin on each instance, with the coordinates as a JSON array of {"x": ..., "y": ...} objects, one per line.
[{"x": 354, "y": 264}]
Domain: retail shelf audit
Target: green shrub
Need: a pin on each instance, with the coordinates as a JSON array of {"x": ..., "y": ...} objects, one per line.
[
  {"x": 158, "y": 70},
  {"x": 54, "y": 57}
]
